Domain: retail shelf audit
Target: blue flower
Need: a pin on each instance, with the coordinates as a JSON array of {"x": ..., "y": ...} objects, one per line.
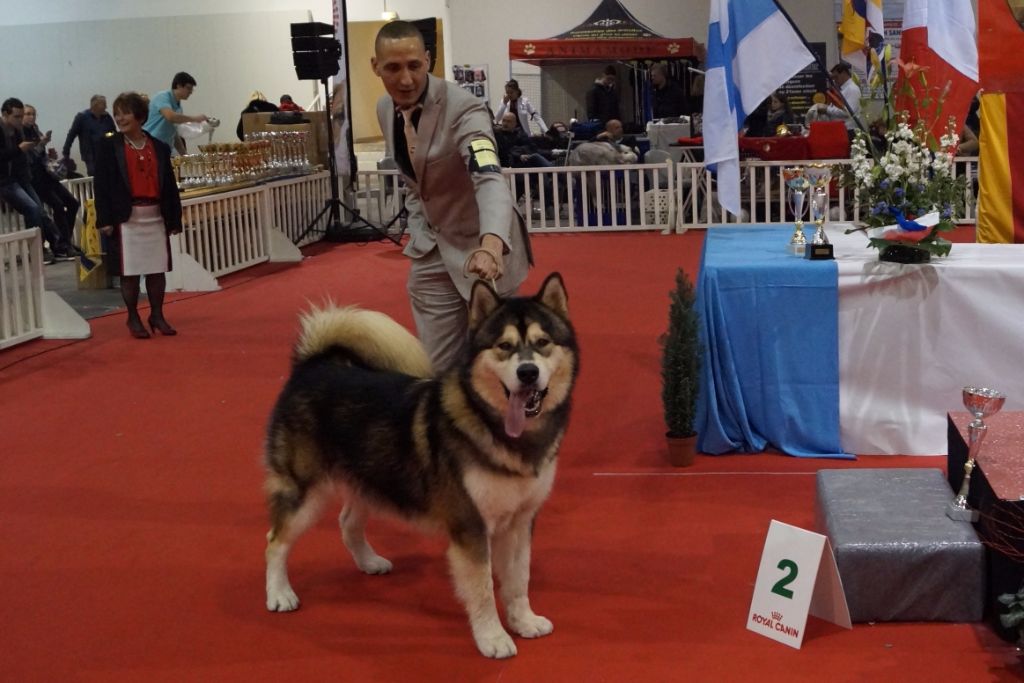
[
  {"x": 899, "y": 193},
  {"x": 884, "y": 184},
  {"x": 947, "y": 210},
  {"x": 879, "y": 208}
]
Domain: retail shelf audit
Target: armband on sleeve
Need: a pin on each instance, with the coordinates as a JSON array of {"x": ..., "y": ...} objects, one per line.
[{"x": 482, "y": 157}]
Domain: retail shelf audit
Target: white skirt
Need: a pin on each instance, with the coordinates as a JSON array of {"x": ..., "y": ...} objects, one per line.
[{"x": 145, "y": 248}]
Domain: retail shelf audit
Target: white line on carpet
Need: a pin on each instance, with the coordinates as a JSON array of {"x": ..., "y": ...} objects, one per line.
[{"x": 696, "y": 474}]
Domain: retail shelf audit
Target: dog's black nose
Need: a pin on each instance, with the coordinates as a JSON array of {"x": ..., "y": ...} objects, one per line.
[{"x": 527, "y": 373}]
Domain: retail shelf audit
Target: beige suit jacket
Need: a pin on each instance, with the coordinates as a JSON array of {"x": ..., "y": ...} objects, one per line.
[{"x": 450, "y": 208}]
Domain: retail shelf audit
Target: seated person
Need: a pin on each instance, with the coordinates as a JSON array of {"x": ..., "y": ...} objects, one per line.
[
  {"x": 515, "y": 149},
  {"x": 557, "y": 137},
  {"x": 756, "y": 122},
  {"x": 288, "y": 104},
  {"x": 779, "y": 114},
  {"x": 257, "y": 103},
  {"x": 614, "y": 135}
]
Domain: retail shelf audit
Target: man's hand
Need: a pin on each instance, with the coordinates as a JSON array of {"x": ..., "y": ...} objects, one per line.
[
  {"x": 486, "y": 263},
  {"x": 107, "y": 230},
  {"x": 26, "y": 145},
  {"x": 200, "y": 118}
]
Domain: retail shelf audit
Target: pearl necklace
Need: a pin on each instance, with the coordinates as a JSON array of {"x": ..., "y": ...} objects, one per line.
[{"x": 139, "y": 149}]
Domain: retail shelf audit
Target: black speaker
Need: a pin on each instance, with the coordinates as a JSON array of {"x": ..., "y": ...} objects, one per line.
[
  {"x": 316, "y": 53},
  {"x": 312, "y": 28}
]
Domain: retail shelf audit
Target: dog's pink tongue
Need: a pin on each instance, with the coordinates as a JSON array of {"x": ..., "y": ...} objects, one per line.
[{"x": 515, "y": 415}]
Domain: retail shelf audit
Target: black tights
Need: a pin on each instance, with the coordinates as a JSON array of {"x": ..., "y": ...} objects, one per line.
[{"x": 156, "y": 285}]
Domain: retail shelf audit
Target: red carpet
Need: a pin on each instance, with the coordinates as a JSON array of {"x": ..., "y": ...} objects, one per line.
[{"x": 131, "y": 507}]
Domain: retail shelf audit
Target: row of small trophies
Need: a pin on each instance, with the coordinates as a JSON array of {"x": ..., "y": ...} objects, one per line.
[
  {"x": 809, "y": 183},
  {"x": 265, "y": 154}
]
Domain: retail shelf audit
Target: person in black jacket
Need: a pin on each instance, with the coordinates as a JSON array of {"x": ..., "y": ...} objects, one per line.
[
  {"x": 669, "y": 98},
  {"x": 89, "y": 126},
  {"x": 137, "y": 206},
  {"x": 48, "y": 187},
  {"x": 603, "y": 97},
  {"x": 16, "y": 178},
  {"x": 257, "y": 103}
]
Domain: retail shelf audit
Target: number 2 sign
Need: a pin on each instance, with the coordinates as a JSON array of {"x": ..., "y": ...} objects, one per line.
[{"x": 797, "y": 577}]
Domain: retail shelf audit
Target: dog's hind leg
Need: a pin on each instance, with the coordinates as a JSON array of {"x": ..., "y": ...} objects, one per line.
[
  {"x": 471, "y": 572},
  {"x": 352, "y": 521},
  {"x": 291, "y": 514},
  {"x": 511, "y": 549}
]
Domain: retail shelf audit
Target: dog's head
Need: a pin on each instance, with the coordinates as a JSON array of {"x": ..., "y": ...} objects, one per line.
[{"x": 524, "y": 354}]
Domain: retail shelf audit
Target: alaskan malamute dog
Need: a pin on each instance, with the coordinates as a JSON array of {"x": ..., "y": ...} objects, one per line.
[{"x": 470, "y": 453}]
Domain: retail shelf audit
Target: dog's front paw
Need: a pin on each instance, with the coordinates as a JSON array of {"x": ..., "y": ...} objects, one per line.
[
  {"x": 495, "y": 643},
  {"x": 374, "y": 564},
  {"x": 282, "y": 599},
  {"x": 531, "y": 625}
]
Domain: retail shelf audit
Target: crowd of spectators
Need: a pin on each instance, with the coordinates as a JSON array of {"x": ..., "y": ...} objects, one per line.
[{"x": 31, "y": 173}]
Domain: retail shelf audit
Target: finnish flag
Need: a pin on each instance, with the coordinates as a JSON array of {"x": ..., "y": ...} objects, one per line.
[{"x": 752, "y": 50}]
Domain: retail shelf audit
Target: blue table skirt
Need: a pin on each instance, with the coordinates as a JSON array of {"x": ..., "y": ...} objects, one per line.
[{"x": 770, "y": 332}]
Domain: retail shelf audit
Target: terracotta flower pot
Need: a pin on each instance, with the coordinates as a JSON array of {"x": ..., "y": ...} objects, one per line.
[{"x": 681, "y": 449}]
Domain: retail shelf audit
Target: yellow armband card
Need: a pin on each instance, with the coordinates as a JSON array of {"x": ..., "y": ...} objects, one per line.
[{"x": 482, "y": 157}]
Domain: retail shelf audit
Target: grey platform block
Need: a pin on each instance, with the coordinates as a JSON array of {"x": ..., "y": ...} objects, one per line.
[{"x": 900, "y": 558}]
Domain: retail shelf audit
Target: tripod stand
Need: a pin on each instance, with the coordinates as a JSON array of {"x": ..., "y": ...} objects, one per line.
[{"x": 358, "y": 229}]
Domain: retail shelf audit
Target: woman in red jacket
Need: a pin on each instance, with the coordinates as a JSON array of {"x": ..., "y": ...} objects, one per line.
[{"x": 138, "y": 207}]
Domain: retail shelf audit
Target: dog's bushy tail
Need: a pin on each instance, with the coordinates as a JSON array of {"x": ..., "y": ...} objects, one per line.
[{"x": 377, "y": 340}]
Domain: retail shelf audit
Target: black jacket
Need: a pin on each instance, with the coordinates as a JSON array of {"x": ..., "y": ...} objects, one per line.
[
  {"x": 602, "y": 103},
  {"x": 114, "y": 194},
  {"x": 669, "y": 100},
  {"x": 13, "y": 162}
]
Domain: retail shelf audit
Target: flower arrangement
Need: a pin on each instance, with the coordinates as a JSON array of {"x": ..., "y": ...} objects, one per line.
[{"x": 907, "y": 191}]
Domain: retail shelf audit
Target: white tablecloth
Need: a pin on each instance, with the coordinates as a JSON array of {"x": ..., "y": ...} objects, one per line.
[
  {"x": 911, "y": 336},
  {"x": 664, "y": 134}
]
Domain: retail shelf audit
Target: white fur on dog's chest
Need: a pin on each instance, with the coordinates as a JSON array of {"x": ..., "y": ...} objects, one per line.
[{"x": 500, "y": 497}]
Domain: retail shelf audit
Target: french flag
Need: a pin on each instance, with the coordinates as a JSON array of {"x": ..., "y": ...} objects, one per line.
[{"x": 939, "y": 35}]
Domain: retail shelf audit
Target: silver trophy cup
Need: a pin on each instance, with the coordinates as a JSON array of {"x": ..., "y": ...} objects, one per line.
[
  {"x": 799, "y": 188},
  {"x": 981, "y": 403}
]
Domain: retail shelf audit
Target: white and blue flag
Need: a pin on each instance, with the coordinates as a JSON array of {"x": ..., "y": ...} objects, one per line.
[{"x": 752, "y": 50}]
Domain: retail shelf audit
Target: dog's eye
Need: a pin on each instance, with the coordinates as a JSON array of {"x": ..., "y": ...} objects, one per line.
[
  {"x": 507, "y": 347},
  {"x": 542, "y": 343}
]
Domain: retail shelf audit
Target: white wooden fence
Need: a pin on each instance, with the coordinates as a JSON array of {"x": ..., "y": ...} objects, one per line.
[
  {"x": 669, "y": 197},
  {"x": 230, "y": 231},
  {"x": 21, "y": 287}
]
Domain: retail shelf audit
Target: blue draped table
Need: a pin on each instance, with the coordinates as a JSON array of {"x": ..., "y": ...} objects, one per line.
[{"x": 769, "y": 330}]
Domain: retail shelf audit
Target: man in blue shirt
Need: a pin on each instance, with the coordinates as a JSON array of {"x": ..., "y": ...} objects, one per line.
[
  {"x": 89, "y": 126},
  {"x": 165, "y": 111}
]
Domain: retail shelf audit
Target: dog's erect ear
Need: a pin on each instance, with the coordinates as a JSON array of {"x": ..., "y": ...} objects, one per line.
[
  {"x": 553, "y": 295},
  {"x": 482, "y": 302}
]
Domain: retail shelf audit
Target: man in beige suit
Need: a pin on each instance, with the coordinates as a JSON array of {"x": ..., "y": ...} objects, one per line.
[{"x": 463, "y": 224}]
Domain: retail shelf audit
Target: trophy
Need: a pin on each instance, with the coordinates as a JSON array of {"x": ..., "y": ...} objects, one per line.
[
  {"x": 981, "y": 403},
  {"x": 819, "y": 176},
  {"x": 798, "y": 187}
]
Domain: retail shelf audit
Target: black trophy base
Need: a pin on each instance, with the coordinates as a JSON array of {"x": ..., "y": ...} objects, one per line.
[
  {"x": 817, "y": 252},
  {"x": 898, "y": 253}
]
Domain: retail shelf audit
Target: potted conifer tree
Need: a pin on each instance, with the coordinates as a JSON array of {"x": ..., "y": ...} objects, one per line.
[{"x": 680, "y": 372}]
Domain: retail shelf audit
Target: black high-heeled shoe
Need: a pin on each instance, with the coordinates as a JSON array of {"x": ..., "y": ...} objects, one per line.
[
  {"x": 137, "y": 330},
  {"x": 161, "y": 326}
]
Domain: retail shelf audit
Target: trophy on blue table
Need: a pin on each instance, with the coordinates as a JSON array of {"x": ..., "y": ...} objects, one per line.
[
  {"x": 819, "y": 176},
  {"x": 799, "y": 187},
  {"x": 981, "y": 403}
]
